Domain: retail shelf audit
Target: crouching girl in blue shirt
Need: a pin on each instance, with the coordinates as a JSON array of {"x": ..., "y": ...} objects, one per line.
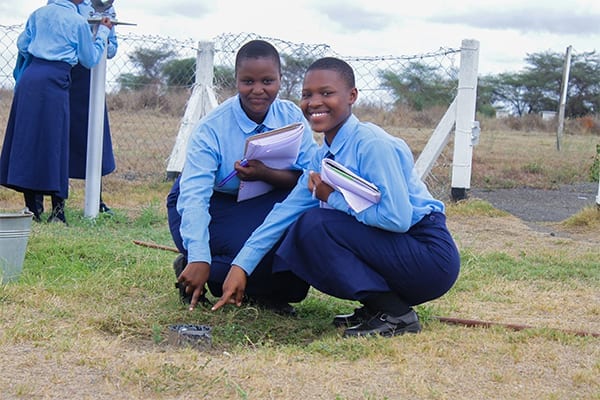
[{"x": 390, "y": 256}]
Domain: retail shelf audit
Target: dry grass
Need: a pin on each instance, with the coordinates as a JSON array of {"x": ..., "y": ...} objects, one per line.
[
  {"x": 45, "y": 355},
  {"x": 443, "y": 362}
]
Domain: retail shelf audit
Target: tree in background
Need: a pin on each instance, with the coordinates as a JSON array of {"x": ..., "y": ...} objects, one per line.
[
  {"x": 180, "y": 73},
  {"x": 224, "y": 81},
  {"x": 505, "y": 91},
  {"x": 292, "y": 75},
  {"x": 150, "y": 62},
  {"x": 419, "y": 86},
  {"x": 541, "y": 80},
  {"x": 537, "y": 87},
  {"x": 158, "y": 67},
  {"x": 584, "y": 85}
]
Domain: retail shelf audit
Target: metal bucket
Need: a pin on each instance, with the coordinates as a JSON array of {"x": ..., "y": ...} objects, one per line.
[{"x": 14, "y": 235}]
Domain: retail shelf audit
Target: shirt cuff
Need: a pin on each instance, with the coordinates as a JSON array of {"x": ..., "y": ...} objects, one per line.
[{"x": 247, "y": 259}]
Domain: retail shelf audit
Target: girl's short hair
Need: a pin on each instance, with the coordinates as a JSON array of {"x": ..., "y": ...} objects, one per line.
[
  {"x": 257, "y": 49},
  {"x": 335, "y": 64}
]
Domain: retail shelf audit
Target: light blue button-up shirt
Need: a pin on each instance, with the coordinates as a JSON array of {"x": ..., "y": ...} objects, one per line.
[
  {"x": 214, "y": 146},
  {"x": 373, "y": 154},
  {"x": 87, "y": 11},
  {"x": 56, "y": 32}
]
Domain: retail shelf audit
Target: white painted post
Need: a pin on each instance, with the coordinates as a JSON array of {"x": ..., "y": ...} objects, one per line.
[
  {"x": 598, "y": 196},
  {"x": 436, "y": 143},
  {"x": 93, "y": 166},
  {"x": 598, "y": 157},
  {"x": 563, "y": 98},
  {"x": 466, "y": 125},
  {"x": 201, "y": 102}
]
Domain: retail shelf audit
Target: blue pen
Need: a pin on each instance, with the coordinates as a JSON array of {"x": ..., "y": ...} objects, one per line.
[{"x": 243, "y": 163}]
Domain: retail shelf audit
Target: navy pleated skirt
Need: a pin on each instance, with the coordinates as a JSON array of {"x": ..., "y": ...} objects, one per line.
[
  {"x": 80, "y": 103},
  {"x": 35, "y": 153},
  {"x": 340, "y": 256}
]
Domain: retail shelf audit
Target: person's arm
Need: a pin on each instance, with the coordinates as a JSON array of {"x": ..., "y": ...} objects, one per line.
[
  {"x": 195, "y": 191},
  {"x": 113, "y": 45},
  {"x": 24, "y": 39},
  {"x": 283, "y": 178},
  {"x": 387, "y": 165},
  {"x": 90, "y": 48},
  {"x": 263, "y": 239},
  {"x": 194, "y": 277},
  {"x": 257, "y": 171}
]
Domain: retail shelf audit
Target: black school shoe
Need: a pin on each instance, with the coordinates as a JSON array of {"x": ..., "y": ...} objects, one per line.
[
  {"x": 178, "y": 266},
  {"x": 58, "y": 215},
  {"x": 103, "y": 208},
  {"x": 386, "y": 325},
  {"x": 359, "y": 316}
]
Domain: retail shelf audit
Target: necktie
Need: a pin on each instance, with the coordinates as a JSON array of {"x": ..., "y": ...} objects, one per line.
[
  {"x": 330, "y": 155},
  {"x": 260, "y": 128}
]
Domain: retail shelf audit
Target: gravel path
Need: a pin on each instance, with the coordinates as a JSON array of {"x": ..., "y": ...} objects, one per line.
[{"x": 540, "y": 205}]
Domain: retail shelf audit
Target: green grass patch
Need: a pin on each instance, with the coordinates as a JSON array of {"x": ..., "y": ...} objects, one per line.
[{"x": 477, "y": 269}]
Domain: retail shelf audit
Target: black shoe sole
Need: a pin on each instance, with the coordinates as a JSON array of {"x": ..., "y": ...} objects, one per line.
[
  {"x": 359, "y": 316},
  {"x": 385, "y": 325},
  {"x": 385, "y": 332}
]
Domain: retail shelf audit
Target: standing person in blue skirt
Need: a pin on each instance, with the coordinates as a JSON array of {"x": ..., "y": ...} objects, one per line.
[
  {"x": 393, "y": 255},
  {"x": 80, "y": 103},
  {"x": 208, "y": 224},
  {"x": 34, "y": 157}
]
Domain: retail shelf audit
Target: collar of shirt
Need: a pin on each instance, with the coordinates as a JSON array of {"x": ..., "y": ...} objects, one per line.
[
  {"x": 341, "y": 136},
  {"x": 246, "y": 124}
]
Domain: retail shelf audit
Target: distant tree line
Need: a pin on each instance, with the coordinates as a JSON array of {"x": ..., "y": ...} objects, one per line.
[{"x": 419, "y": 86}]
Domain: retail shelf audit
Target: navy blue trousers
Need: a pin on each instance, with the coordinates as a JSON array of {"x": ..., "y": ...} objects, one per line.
[
  {"x": 345, "y": 258},
  {"x": 231, "y": 225}
]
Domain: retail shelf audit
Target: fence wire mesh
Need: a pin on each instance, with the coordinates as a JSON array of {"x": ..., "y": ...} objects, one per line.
[{"x": 149, "y": 82}]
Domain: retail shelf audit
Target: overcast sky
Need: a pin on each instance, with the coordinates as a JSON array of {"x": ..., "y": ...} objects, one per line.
[{"x": 507, "y": 30}]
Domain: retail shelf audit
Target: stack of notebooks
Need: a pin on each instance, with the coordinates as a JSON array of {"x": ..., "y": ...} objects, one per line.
[
  {"x": 276, "y": 149},
  {"x": 359, "y": 193},
  {"x": 279, "y": 149}
]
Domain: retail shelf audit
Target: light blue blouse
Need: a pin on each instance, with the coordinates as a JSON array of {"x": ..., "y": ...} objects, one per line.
[
  {"x": 216, "y": 143},
  {"x": 56, "y": 32},
  {"x": 86, "y": 10},
  {"x": 373, "y": 154}
]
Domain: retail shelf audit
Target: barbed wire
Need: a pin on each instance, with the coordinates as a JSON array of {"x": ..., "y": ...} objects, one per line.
[{"x": 145, "y": 114}]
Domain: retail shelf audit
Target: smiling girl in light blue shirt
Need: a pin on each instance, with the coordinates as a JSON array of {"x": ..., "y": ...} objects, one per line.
[{"x": 393, "y": 255}]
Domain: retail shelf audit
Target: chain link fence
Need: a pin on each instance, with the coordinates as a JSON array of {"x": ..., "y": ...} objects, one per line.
[{"x": 150, "y": 79}]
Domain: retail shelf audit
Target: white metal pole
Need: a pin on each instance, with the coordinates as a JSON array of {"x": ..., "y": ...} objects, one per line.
[
  {"x": 598, "y": 197},
  {"x": 563, "y": 97},
  {"x": 598, "y": 158},
  {"x": 93, "y": 171},
  {"x": 465, "y": 118}
]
